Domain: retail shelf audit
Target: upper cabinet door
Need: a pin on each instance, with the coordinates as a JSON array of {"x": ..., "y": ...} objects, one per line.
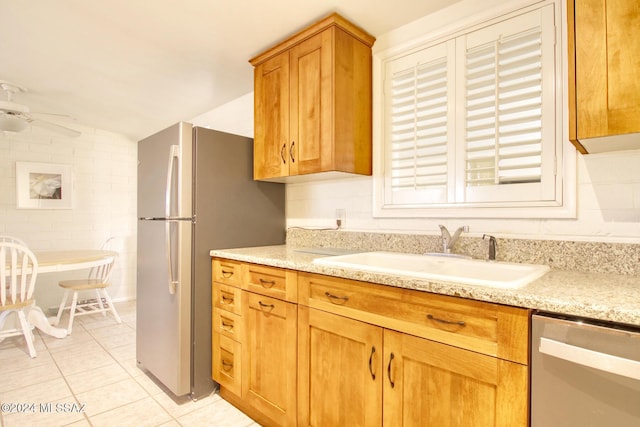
[
  {"x": 311, "y": 106},
  {"x": 315, "y": 116},
  {"x": 271, "y": 115},
  {"x": 606, "y": 101}
]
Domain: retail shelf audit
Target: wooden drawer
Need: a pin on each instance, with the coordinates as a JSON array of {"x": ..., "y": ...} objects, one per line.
[
  {"x": 228, "y": 324},
  {"x": 227, "y": 298},
  {"x": 271, "y": 281},
  {"x": 227, "y": 272},
  {"x": 487, "y": 328},
  {"x": 226, "y": 363}
]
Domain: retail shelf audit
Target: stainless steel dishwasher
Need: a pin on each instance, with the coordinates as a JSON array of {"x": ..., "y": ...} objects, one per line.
[{"x": 584, "y": 373}]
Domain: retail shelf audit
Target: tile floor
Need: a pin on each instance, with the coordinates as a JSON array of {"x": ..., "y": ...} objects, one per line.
[{"x": 90, "y": 378}]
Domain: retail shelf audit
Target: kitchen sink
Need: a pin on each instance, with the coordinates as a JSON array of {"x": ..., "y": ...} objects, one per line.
[{"x": 445, "y": 269}]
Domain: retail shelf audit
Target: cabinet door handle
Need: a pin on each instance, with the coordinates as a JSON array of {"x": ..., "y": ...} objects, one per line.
[
  {"x": 284, "y": 159},
  {"x": 227, "y": 326},
  {"x": 226, "y": 365},
  {"x": 391, "y": 357},
  {"x": 226, "y": 273},
  {"x": 263, "y": 305},
  {"x": 293, "y": 144},
  {"x": 336, "y": 297},
  {"x": 267, "y": 283},
  {"x": 446, "y": 322},
  {"x": 373, "y": 350}
]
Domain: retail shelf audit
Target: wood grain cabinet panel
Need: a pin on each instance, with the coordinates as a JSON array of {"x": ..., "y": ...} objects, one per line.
[
  {"x": 433, "y": 384},
  {"x": 270, "y": 281},
  {"x": 269, "y": 361},
  {"x": 313, "y": 103},
  {"x": 226, "y": 363},
  {"x": 228, "y": 324},
  {"x": 487, "y": 328},
  {"x": 604, "y": 72},
  {"x": 340, "y": 371},
  {"x": 227, "y": 272},
  {"x": 227, "y": 298}
]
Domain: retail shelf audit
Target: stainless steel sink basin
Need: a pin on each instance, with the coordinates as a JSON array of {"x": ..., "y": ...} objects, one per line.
[{"x": 445, "y": 269}]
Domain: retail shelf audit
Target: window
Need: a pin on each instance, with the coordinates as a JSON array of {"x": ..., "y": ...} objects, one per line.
[{"x": 473, "y": 121}]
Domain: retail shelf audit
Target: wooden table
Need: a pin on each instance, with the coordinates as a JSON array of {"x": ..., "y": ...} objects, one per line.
[{"x": 55, "y": 261}]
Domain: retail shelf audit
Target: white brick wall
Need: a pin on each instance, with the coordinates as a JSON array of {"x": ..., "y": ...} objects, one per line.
[
  {"x": 104, "y": 169},
  {"x": 608, "y": 195}
]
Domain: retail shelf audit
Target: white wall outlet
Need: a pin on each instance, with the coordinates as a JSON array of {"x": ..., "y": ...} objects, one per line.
[{"x": 341, "y": 217}]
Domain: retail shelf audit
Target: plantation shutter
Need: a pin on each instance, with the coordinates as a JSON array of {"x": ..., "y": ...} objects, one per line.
[
  {"x": 505, "y": 102},
  {"x": 417, "y": 97},
  {"x": 471, "y": 122}
]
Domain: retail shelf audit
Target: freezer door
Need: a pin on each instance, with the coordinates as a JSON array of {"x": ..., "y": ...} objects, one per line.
[
  {"x": 165, "y": 173},
  {"x": 164, "y": 302}
]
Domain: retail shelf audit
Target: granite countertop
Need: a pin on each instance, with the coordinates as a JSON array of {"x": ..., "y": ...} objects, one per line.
[{"x": 609, "y": 297}]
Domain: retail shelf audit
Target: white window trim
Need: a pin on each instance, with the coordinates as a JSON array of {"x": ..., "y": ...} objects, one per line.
[{"x": 565, "y": 205}]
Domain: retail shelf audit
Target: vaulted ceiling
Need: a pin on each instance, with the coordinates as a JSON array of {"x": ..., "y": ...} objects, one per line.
[{"x": 136, "y": 66}]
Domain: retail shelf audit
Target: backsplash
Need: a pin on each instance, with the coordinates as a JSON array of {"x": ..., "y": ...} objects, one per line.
[{"x": 588, "y": 257}]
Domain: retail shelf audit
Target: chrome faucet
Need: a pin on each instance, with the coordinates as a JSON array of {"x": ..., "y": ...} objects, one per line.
[
  {"x": 448, "y": 240},
  {"x": 492, "y": 246}
]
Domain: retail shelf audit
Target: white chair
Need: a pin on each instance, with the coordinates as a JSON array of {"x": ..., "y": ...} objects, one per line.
[
  {"x": 12, "y": 239},
  {"x": 99, "y": 280},
  {"x": 18, "y": 272}
]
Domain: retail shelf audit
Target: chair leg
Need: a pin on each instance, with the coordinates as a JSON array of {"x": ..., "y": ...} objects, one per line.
[
  {"x": 113, "y": 309},
  {"x": 72, "y": 311},
  {"x": 99, "y": 301},
  {"x": 26, "y": 331},
  {"x": 61, "y": 308}
]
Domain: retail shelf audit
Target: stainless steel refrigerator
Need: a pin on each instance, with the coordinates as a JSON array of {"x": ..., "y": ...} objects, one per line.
[{"x": 195, "y": 193}]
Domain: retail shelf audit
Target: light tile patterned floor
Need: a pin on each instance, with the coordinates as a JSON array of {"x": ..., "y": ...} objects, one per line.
[{"x": 90, "y": 378}]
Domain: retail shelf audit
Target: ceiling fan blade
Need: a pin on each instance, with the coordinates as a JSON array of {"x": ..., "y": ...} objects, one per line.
[{"x": 54, "y": 127}]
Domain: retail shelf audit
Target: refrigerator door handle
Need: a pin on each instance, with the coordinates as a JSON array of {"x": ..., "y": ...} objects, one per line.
[
  {"x": 172, "y": 283},
  {"x": 174, "y": 153}
]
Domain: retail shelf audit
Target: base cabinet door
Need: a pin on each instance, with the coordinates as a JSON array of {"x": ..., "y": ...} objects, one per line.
[
  {"x": 340, "y": 368},
  {"x": 269, "y": 357},
  {"x": 433, "y": 384}
]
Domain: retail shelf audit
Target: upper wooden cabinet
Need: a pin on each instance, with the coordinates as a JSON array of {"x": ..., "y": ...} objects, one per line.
[
  {"x": 312, "y": 106},
  {"x": 604, "y": 74}
]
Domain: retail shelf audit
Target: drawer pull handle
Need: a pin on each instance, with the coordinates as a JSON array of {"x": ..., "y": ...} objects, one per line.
[
  {"x": 391, "y": 357},
  {"x": 227, "y": 326},
  {"x": 226, "y": 273},
  {"x": 336, "y": 297},
  {"x": 226, "y": 365},
  {"x": 446, "y": 322},
  {"x": 227, "y": 300},
  {"x": 267, "y": 283},
  {"x": 373, "y": 350},
  {"x": 263, "y": 305}
]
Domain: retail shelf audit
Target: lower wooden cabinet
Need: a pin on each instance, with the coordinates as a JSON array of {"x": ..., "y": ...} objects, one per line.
[
  {"x": 352, "y": 353},
  {"x": 340, "y": 370},
  {"x": 269, "y": 359},
  {"x": 355, "y": 373},
  {"x": 433, "y": 384}
]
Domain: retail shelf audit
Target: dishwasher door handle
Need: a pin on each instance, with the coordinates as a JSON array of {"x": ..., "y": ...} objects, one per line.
[{"x": 593, "y": 359}]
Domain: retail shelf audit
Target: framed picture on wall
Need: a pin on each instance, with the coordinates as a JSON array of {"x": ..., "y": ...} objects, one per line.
[{"x": 43, "y": 186}]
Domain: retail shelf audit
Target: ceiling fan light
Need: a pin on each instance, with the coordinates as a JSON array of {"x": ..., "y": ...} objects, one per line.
[{"x": 12, "y": 124}]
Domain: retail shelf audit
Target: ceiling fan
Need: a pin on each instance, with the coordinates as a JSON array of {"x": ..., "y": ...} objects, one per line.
[{"x": 15, "y": 117}]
